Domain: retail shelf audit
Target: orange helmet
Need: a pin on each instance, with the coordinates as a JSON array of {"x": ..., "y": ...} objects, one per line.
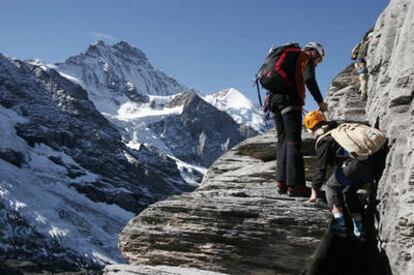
[{"x": 313, "y": 118}]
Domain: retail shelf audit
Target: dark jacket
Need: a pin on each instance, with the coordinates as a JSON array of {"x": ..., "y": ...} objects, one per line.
[
  {"x": 329, "y": 153},
  {"x": 310, "y": 81}
]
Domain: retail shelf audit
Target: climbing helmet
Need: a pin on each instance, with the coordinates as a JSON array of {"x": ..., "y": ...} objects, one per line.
[
  {"x": 316, "y": 46},
  {"x": 313, "y": 118}
]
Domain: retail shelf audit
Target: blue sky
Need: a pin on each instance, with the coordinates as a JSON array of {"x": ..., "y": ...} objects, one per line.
[{"x": 207, "y": 45}]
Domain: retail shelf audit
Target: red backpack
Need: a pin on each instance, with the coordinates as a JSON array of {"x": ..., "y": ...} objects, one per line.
[{"x": 278, "y": 69}]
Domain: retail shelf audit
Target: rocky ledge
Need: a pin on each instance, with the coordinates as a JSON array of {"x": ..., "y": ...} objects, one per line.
[{"x": 234, "y": 222}]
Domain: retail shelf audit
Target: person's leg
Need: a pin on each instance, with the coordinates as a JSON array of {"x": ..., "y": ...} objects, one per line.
[
  {"x": 362, "y": 72},
  {"x": 295, "y": 174},
  {"x": 354, "y": 175},
  {"x": 295, "y": 171},
  {"x": 363, "y": 80},
  {"x": 280, "y": 154},
  {"x": 281, "y": 148},
  {"x": 354, "y": 207},
  {"x": 344, "y": 183},
  {"x": 336, "y": 204}
]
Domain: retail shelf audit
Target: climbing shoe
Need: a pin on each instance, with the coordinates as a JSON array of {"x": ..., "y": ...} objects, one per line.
[
  {"x": 281, "y": 187},
  {"x": 298, "y": 191},
  {"x": 358, "y": 232}
]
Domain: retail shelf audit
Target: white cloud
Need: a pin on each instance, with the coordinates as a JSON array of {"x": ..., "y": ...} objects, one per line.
[{"x": 103, "y": 36}]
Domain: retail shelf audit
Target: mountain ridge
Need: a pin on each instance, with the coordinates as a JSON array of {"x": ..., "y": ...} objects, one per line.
[{"x": 73, "y": 174}]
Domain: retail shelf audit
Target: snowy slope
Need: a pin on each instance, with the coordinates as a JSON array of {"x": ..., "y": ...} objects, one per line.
[
  {"x": 239, "y": 107},
  {"x": 50, "y": 211},
  {"x": 68, "y": 182},
  {"x": 137, "y": 118}
]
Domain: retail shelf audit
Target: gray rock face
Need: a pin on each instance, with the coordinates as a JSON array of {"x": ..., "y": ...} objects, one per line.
[
  {"x": 14, "y": 157},
  {"x": 154, "y": 270},
  {"x": 390, "y": 103},
  {"x": 235, "y": 222},
  {"x": 344, "y": 100},
  {"x": 389, "y": 106},
  {"x": 201, "y": 133}
]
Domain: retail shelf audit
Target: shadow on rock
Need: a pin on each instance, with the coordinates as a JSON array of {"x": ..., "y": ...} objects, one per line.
[{"x": 343, "y": 256}]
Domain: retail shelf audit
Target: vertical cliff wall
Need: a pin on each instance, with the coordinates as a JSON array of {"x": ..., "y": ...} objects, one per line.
[
  {"x": 390, "y": 106},
  {"x": 391, "y": 61}
]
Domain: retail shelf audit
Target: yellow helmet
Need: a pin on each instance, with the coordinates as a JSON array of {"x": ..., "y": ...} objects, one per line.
[{"x": 313, "y": 118}]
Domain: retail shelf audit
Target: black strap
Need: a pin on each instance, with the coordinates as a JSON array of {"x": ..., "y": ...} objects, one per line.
[{"x": 258, "y": 92}]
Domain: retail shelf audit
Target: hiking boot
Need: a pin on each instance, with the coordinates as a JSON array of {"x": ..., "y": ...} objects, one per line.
[
  {"x": 281, "y": 187},
  {"x": 358, "y": 230},
  {"x": 298, "y": 191}
]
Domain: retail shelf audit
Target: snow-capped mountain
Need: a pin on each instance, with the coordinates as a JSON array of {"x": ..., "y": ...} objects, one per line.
[
  {"x": 239, "y": 107},
  {"x": 114, "y": 75},
  {"x": 140, "y": 100},
  {"x": 68, "y": 183},
  {"x": 201, "y": 133}
]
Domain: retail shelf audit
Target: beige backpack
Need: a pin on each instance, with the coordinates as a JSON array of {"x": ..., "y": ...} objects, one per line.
[{"x": 359, "y": 140}]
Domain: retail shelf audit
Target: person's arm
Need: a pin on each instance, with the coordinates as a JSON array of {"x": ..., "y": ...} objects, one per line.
[
  {"x": 312, "y": 85},
  {"x": 321, "y": 165}
]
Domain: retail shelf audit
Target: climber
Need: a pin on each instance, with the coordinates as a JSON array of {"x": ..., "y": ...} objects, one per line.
[
  {"x": 357, "y": 161},
  {"x": 284, "y": 74},
  {"x": 359, "y": 53}
]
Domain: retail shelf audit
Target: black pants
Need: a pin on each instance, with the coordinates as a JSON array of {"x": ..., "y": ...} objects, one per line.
[
  {"x": 290, "y": 168},
  {"x": 345, "y": 181}
]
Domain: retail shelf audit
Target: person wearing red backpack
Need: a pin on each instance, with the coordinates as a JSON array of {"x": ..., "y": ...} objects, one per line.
[{"x": 284, "y": 74}]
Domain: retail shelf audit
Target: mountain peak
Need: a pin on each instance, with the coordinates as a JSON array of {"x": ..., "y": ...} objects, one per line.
[
  {"x": 96, "y": 48},
  {"x": 122, "y": 49},
  {"x": 99, "y": 43},
  {"x": 117, "y": 72},
  {"x": 239, "y": 107},
  {"x": 232, "y": 98},
  {"x": 124, "y": 44},
  {"x": 230, "y": 92},
  {"x": 126, "y": 48}
]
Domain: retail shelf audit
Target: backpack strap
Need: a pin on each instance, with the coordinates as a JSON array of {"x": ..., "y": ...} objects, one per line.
[
  {"x": 279, "y": 63},
  {"x": 301, "y": 64}
]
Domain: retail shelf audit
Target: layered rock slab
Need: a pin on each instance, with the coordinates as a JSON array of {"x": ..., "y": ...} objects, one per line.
[
  {"x": 234, "y": 222},
  {"x": 344, "y": 99}
]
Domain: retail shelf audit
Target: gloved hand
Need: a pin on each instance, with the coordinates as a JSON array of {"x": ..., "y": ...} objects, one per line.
[{"x": 323, "y": 106}]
